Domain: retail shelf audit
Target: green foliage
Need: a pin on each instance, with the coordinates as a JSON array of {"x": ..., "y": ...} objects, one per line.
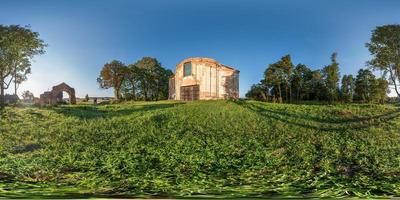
[
  {"x": 258, "y": 92},
  {"x": 87, "y": 98},
  {"x": 369, "y": 89},
  {"x": 152, "y": 79},
  {"x": 277, "y": 76},
  {"x": 18, "y": 46},
  {"x": 112, "y": 76},
  {"x": 331, "y": 77},
  {"x": 317, "y": 83},
  {"x": 300, "y": 82},
  {"x": 205, "y": 148},
  {"x": 144, "y": 80},
  {"x": 347, "y": 88},
  {"x": 365, "y": 81},
  {"x": 27, "y": 95},
  {"x": 385, "y": 50},
  {"x": 284, "y": 83},
  {"x": 380, "y": 89}
]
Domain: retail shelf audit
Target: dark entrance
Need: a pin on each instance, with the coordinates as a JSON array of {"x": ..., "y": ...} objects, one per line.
[{"x": 190, "y": 93}]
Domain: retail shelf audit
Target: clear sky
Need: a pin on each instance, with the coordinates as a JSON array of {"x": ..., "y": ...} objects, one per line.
[{"x": 85, "y": 34}]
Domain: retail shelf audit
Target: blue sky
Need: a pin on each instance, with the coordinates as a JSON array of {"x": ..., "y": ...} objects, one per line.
[{"x": 248, "y": 35}]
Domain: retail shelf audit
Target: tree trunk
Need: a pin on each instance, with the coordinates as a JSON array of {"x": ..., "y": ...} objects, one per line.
[
  {"x": 133, "y": 93},
  {"x": 394, "y": 81},
  {"x": 286, "y": 93},
  {"x": 298, "y": 94},
  {"x": 397, "y": 91},
  {"x": 117, "y": 93},
  {"x": 264, "y": 96},
  {"x": 133, "y": 90},
  {"x": 1, "y": 91},
  {"x": 15, "y": 81},
  {"x": 280, "y": 93}
]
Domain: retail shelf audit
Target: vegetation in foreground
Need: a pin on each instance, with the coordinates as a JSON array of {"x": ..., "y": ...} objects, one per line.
[{"x": 207, "y": 149}]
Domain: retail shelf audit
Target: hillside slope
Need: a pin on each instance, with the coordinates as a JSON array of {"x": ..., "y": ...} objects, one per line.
[{"x": 205, "y": 148}]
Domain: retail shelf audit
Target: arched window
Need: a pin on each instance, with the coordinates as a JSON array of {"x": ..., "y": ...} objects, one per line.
[{"x": 187, "y": 69}]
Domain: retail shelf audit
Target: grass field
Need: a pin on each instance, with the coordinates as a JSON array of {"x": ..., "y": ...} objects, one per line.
[{"x": 200, "y": 149}]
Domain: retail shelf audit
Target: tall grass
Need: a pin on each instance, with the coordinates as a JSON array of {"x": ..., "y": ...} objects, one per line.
[{"x": 204, "y": 148}]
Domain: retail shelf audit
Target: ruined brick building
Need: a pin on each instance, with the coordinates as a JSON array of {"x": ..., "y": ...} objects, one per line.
[
  {"x": 203, "y": 79},
  {"x": 55, "y": 96}
]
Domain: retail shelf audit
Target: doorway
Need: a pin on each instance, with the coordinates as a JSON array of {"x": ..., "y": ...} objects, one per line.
[{"x": 190, "y": 93}]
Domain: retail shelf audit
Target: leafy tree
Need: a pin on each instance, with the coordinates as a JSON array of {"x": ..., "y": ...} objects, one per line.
[
  {"x": 258, "y": 92},
  {"x": 153, "y": 79},
  {"x": 331, "y": 76},
  {"x": 112, "y": 76},
  {"x": 380, "y": 89},
  {"x": 27, "y": 96},
  {"x": 347, "y": 88},
  {"x": 365, "y": 81},
  {"x": 317, "y": 85},
  {"x": 86, "y": 97},
  {"x": 18, "y": 46},
  {"x": 277, "y": 76},
  {"x": 131, "y": 82},
  {"x": 300, "y": 81},
  {"x": 385, "y": 50},
  {"x": 163, "y": 83},
  {"x": 147, "y": 80}
]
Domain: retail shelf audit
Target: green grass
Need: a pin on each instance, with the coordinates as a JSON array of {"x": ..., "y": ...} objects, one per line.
[{"x": 200, "y": 149}]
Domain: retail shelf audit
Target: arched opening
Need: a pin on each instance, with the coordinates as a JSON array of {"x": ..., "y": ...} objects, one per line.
[
  {"x": 63, "y": 97},
  {"x": 58, "y": 95}
]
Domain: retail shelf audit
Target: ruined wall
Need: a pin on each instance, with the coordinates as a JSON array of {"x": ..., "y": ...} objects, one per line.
[
  {"x": 216, "y": 81},
  {"x": 53, "y": 97}
]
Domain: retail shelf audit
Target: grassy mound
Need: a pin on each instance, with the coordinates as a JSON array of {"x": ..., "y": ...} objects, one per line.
[{"x": 205, "y": 148}]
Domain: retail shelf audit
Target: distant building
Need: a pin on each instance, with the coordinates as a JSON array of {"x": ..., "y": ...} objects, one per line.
[{"x": 203, "y": 79}]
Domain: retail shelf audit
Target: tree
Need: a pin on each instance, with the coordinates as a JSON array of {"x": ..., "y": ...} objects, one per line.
[
  {"x": 86, "y": 98},
  {"x": 380, "y": 89},
  {"x": 21, "y": 75},
  {"x": 146, "y": 80},
  {"x": 331, "y": 76},
  {"x": 347, "y": 88},
  {"x": 277, "y": 76},
  {"x": 27, "y": 96},
  {"x": 385, "y": 50},
  {"x": 365, "y": 82},
  {"x": 18, "y": 46},
  {"x": 258, "y": 92},
  {"x": 299, "y": 81},
  {"x": 152, "y": 79},
  {"x": 131, "y": 82},
  {"x": 112, "y": 76},
  {"x": 317, "y": 85}
]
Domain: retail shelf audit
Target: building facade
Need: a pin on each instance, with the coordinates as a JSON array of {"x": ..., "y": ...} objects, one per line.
[{"x": 203, "y": 79}]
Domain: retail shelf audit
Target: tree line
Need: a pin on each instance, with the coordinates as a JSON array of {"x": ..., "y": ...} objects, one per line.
[
  {"x": 285, "y": 82},
  {"x": 144, "y": 80}
]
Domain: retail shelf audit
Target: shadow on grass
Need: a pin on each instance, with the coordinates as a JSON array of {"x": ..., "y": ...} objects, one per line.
[
  {"x": 109, "y": 111},
  {"x": 322, "y": 124}
]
